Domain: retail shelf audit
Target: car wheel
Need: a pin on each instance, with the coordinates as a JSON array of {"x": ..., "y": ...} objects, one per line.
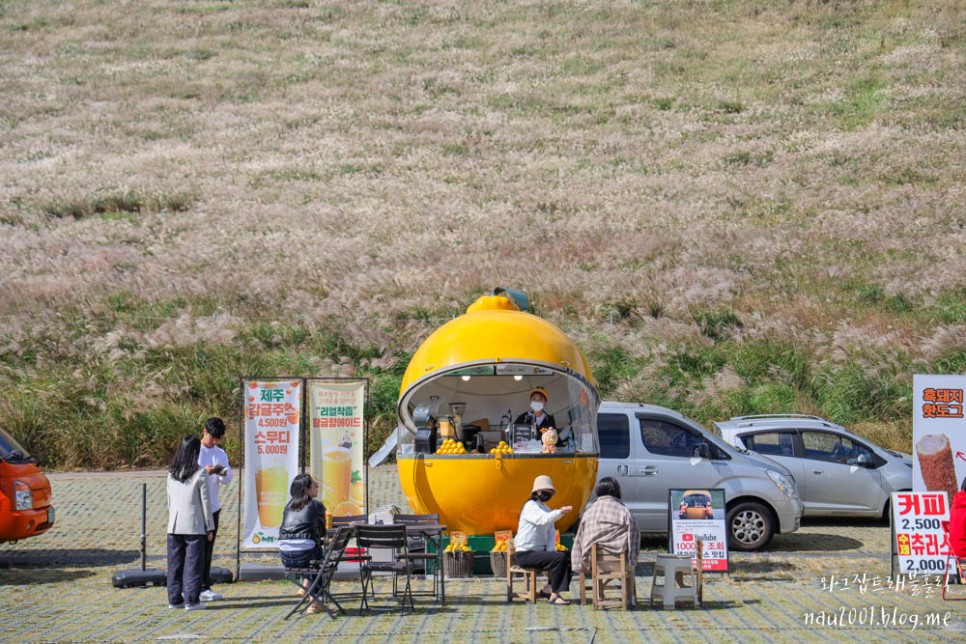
[{"x": 750, "y": 526}]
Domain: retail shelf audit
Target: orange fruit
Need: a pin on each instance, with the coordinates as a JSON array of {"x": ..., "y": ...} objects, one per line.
[{"x": 346, "y": 508}]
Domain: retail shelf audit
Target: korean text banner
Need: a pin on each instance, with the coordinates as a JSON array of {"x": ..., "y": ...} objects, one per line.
[
  {"x": 272, "y": 414},
  {"x": 919, "y": 539},
  {"x": 938, "y": 434},
  {"x": 700, "y": 515},
  {"x": 337, "y": 444}
]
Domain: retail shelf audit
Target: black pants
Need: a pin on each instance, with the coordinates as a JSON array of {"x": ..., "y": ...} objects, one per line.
[
  {"x": 557, "y": 563},
  {"x": 209, "y": 549},
  {"x": 186, "y": 561}
]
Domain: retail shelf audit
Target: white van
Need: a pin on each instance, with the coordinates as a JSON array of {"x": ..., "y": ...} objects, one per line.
[{"x": 651, "y": 449}]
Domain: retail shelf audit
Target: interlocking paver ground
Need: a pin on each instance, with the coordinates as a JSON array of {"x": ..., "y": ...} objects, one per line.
[{"x": 57, "y": 587}]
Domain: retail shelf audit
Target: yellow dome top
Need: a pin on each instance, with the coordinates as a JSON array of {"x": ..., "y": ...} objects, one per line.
[{"x": 494, "y": 330}]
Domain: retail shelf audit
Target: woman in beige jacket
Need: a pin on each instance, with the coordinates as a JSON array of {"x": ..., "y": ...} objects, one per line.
[{"x": 190, "y": 524}]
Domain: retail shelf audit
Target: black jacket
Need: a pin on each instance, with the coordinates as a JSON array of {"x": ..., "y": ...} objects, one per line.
[
  {"x": 547, "y": 422},
  {"x": 307, "y": 523}
]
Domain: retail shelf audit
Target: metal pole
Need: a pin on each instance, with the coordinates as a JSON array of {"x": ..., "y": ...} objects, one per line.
[{"x": 144, "y": 526}]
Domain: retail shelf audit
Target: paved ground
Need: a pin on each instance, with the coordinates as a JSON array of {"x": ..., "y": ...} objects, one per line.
[{"x": 58, "y": 588}]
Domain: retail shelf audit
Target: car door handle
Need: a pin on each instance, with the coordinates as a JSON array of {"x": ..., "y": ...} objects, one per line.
[
  {"x": 818, "y": 471},
  {"x": 648, "y": 471},
  {"x": 622, "y": 470}
]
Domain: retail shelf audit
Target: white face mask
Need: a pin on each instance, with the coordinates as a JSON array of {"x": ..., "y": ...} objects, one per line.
[{"x": 536, "y": 406}]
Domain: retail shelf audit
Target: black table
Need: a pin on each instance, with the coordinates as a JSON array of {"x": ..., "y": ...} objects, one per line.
[{"x": 433, "y": 534}]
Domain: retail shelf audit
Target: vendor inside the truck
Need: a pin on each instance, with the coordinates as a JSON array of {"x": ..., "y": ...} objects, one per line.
[{"x": 538, "y": 418}]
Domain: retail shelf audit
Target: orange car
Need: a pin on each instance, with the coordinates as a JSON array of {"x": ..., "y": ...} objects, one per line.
[
  {"x": 25, "y": 509},
  {"x": 696, "y": 504}
]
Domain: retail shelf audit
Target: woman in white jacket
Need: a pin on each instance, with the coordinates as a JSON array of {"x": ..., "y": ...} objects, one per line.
[
  {"x": 536, "y": 543},
  {"x": 190, "y": 524}
]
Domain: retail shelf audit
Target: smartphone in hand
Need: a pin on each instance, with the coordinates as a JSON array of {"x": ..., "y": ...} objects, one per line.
[{"x": 218, "y": 469}]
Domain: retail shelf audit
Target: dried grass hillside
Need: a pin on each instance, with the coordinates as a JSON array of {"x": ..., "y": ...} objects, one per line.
[{"x": 742, "y": 206}]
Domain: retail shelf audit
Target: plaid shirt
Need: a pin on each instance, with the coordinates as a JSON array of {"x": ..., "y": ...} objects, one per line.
[{"x": 609, "y": 524}]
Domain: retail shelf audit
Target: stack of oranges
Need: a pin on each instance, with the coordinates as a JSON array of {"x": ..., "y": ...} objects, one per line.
[
  {"x": 456, "y": 547},
  {"x": 499, "y": 547},
  {"x": 451, "y": 446},
  {"x": 502, "y": 448}
]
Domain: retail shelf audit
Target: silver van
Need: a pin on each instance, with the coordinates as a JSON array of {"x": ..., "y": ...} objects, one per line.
[{"x": 651, "y": 449}]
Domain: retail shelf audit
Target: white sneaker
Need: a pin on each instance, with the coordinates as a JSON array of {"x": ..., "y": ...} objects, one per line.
[
  {"x": 210, "y": 596},
  {"x": 198, "y": 606}
]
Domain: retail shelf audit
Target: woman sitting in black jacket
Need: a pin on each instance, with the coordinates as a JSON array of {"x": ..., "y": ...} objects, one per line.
[
  {"x": 303, "y": 524},
  {"x": 303, "y": 528}
]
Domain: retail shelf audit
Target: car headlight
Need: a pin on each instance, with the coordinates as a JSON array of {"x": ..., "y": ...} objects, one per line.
[
  {"x": 23, "y": 497},
  {"x": 784, "y": 483}
]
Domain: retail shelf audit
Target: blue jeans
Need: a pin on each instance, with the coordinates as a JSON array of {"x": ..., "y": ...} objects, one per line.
[
  {"x": 186, "y": 567},
  {"x": 301, "y": 558}
]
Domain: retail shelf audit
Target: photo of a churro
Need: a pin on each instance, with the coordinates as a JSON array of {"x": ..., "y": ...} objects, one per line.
[{"x": 936, "y": 464}]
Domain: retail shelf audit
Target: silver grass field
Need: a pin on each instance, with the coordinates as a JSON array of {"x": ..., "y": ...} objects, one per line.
[{"x": 734, "y": 207}]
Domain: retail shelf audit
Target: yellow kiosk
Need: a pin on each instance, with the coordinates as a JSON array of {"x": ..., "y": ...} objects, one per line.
[{"x": 461, "y": 452}]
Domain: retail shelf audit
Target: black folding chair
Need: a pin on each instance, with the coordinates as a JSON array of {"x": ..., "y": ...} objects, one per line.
[
  {"x": 319, "y": 589},
  {"x": 419, "y": 548},
  {"x": 385, "y": 537},
  {"x": 348, "y": 519}
]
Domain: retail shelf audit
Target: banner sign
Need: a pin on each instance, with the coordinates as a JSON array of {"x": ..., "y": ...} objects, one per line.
[
  {"x": 919, "y": 540},
  {"x": 272, "y": 419},
  {"x": 337, "y": 444},
  {"x": 938, "y": 434},
  {"x": 699, "y": 515}
]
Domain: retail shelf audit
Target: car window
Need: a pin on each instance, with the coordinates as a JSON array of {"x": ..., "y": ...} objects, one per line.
[
  {"x": 614, "y": 433},
  {"x": 770, "y": 443},
  {"x": 668, "y": 439},
  {"x": 824, "y": 446},
  {"x": 10, "y": 449}
]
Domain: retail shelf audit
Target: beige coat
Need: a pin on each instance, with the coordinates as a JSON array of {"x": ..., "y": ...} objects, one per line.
[{"x": 189, "y": 505}]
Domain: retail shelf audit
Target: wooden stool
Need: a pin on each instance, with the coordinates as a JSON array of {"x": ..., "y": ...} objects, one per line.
[
  {"x": 528, "y": 575},
  {"x": 607, "y": 568},
  {"x": 586, "y": 583}
]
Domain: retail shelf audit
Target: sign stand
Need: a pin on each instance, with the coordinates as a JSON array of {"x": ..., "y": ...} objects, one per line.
[
  {"x": 917, "y": 534},
  {"x": 281, "y": 426},
  {"x": 696, "y": 519}
]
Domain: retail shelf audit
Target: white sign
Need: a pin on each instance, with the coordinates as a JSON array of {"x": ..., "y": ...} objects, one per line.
[
  {"x": 272, "y": 421},
  {"x": 938, "y": 434},
  {"x": 700, "y": 515},
  {"x": 918, "y": 536}
]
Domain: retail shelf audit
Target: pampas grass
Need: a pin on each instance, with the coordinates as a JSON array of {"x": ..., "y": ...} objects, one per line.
[{"x": 734, "y": 208}]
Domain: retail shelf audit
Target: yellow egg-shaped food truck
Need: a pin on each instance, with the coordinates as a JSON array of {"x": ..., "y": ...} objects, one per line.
[{"x": 467, "y": 446}]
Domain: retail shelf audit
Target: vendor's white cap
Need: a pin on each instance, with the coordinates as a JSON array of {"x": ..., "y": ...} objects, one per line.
[{"x": 543, "y": 482}]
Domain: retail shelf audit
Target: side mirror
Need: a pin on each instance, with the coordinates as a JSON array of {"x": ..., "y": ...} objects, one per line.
[
  {"x": 701, "y": 451},
  {"x": 863, "y": 460}
]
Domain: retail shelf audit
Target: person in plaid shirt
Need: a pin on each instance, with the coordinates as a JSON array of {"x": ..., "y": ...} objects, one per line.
[{"x": 609, "y": 524}]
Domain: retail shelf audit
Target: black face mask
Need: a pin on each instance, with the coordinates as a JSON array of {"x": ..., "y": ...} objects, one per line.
[{"x": 544, "y": 496}]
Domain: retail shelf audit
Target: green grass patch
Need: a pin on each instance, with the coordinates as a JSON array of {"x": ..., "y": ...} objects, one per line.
[
  {"x": 862, "y": 103},
  {"x": 117, "y": 205},
  {"x": 611, "y": 366}
]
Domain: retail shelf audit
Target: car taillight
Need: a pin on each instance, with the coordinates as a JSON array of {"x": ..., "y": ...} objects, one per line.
[{"x": 23, "y": 497}]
